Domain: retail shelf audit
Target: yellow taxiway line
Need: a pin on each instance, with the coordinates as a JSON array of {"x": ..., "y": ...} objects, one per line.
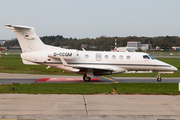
[{"x": 110, "y": 79}]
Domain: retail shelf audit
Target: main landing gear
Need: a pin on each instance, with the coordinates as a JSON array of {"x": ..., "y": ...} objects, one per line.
[
  {"x": 86, "y": 78},
  {"x": 159, "y": 78}
]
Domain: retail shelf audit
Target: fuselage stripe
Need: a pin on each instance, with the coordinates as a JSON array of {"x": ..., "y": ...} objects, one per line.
[{"x": 104, "y": 64}]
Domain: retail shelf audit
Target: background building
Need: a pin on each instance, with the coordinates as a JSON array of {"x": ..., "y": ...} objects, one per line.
[
  {"x": 176, "y": 48},
  {"x": 139, "y": 46},
  {"x": 2, "y": 42},
  {"x": 125, "y": 49},
  {"x": 134, "y": 44},
  {"x": 145, "y": 47}
]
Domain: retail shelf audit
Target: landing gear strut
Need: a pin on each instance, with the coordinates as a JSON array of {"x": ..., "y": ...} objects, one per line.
[
  {"x": 86, "y": 78},
  {"x": 159, "y": 78}
]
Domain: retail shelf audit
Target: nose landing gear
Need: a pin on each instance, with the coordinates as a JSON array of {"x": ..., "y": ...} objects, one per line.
[{"x": 159, "y": 78}]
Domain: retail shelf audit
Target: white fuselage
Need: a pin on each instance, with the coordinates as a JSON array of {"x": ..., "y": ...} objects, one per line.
[
  {"x": 88, "y": 63},
  {"x": 125, "y": 61}
]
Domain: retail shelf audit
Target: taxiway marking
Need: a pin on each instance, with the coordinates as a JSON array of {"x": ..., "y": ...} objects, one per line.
[{"x": 110, "y": 79}]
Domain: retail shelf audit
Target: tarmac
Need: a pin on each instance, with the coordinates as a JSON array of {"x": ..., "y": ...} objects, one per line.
[
  {"x": 87, "y": 107},
  {"x": 101, "y": 106},
  {"x": 9, "y": 78}
]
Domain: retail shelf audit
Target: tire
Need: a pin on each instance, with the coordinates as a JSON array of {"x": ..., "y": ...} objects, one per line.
[
  {"x": 86, "y": 79},
  {"x": 159, "y": 79}
]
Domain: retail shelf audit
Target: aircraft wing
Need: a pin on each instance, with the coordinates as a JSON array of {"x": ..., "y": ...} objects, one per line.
[
  {"x": 113, "y": 69},
  {"x": 99, "y": 68}
]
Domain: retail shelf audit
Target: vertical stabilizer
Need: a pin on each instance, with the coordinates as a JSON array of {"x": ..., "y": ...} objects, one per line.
[{"x": 27, "y": 38}]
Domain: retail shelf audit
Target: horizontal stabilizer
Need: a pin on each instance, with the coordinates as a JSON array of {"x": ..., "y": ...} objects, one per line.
[{"x": 17, "y": 26}]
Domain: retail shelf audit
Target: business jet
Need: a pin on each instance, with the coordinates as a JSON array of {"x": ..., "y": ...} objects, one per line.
[{"x": 87, "y": 63}]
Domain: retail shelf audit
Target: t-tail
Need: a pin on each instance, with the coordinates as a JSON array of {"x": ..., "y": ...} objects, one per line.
[{"x": 27, "y": 38}]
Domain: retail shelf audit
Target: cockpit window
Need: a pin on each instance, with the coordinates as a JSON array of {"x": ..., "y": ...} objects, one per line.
[
  {"x": 152, "y": 57},
  {"x": 145, "y": 57}
]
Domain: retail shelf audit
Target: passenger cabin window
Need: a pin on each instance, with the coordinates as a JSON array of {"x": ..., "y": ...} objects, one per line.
[
  {"x": 121, "y": 57},
  {"x": 145, "y": 57},
  {"x": 113, "y": 57},
  {"x": 86, "y": 56},
  {"x": 106, "y": 56},
  {"x": 128, "y": 57},
  {"x": 98, "y": 56}
]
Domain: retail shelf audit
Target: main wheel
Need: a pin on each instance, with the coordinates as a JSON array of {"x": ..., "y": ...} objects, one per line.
[
  {"x": 159, "y": 79},
  {"x": 86, "y": 78}
]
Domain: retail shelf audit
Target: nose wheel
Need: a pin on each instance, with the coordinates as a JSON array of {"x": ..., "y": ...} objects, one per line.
[
  {"x": 86, "y": 78},
  {"x": 159, "y": 78}
]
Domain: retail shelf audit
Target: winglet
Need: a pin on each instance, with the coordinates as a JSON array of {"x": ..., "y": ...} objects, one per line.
[{"x": 83, "y": 49}]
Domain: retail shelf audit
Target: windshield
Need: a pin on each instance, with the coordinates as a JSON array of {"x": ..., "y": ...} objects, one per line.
[{"x": 152, "y": 57}]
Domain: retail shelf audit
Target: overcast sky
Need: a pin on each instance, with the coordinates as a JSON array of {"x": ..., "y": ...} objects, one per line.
[{"x": 92, "y": 18}]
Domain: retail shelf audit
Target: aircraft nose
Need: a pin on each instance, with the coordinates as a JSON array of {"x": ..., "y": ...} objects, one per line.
[{"x": 174, "y": 68}]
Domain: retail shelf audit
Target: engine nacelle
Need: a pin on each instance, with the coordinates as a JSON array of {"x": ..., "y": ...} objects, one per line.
[{"x": 66, "y": 54}]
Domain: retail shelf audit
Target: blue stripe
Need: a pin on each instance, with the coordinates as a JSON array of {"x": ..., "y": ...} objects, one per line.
[{"x": 105, "y": 64}]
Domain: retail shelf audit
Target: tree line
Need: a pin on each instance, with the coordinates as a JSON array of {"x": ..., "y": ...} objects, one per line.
[{"x": 104, "y": 43}]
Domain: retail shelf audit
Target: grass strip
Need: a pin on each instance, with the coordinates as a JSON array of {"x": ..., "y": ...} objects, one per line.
[{"x": 84, "y": 88}]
